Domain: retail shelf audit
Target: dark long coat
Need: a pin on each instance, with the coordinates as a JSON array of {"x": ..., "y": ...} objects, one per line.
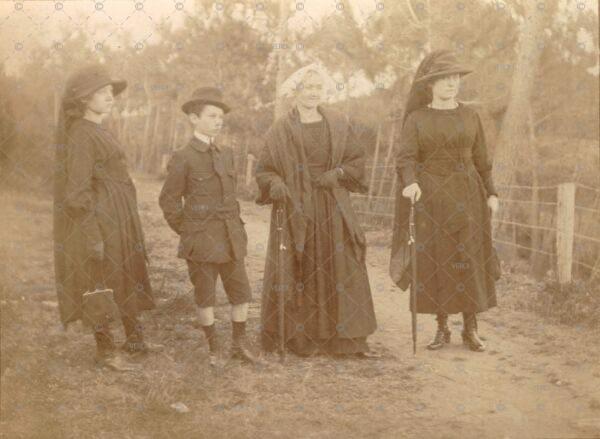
[
  {"x": 445, "y": 152},
  {"x": 283, "y": 157},
  {"x": 95, "y": 201}
]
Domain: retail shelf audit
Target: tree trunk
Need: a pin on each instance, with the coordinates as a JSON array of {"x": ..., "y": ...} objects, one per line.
[
  {"x": 281, "y": 32},
  {"x": 513, "y": 134},
  {"x": 155, "y": 143},
  {"x": 172, "y": 122},
  {"x": 126, "y": 122},
  {"x": 144, "y": 147},
  {"x": 175, "y": 138},
  {"x": 534, "y": 214},
  {"x": 56, "y": 106},
  {"x": 374, "y": 167},
  {"x": 388, "y": 160}
]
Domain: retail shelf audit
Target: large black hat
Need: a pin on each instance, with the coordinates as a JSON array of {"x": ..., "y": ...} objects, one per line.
[
  {"x": 436, "y": 64},
  {"x": 440, "y": 63},
  {"x": 87, "y": 80},
  {"x": 206, "y": 96}
]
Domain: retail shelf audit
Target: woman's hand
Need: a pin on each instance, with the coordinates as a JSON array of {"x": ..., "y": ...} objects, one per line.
[
  {"x": 278, "y": 190},
  {"x": 493, "y": 203},
  {"x": 329, "y": 179},
  {"x": 412, "y": 192}
]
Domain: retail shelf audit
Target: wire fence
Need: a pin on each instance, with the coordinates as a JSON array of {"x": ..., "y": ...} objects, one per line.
[
  {"x": 554, "y": 228},
  {"x": 552, "y": 231}
]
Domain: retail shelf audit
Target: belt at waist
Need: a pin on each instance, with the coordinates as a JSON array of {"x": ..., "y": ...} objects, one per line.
[
  {"x": 105, "y": 178},
  {"x": 445, "y": 159},
  {"x": 446, "y": 164},
  {"x": 204, "y": 212}
]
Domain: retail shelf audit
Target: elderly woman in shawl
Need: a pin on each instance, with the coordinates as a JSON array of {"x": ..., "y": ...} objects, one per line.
[
  {"x": 442, "y": 162},
  {"x": 310, "y": 162},
  {"x": 97, "y": 232}
]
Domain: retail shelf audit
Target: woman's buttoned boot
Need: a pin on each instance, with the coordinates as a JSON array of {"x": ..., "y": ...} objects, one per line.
[
  {"x": 106, "y": 355},
  {"x": 442, "y": 335},
  {"x": 105, "y": 346},
  {"x": 134, "y": 338},
  {"x": 469, "y": 334},
  {"x": 135, "y": 343}
]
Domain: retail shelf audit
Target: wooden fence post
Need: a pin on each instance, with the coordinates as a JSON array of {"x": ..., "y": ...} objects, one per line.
[
  {"x": 172, "y": 127},
  {"x": 123, "y": 133},
  {"x": 175, "y": 138},
  {"x": 57, "y": 103},
  {"x": 244, "y": 161},
  {"x": 565, "y": 228},
  {"x": 148, "y": 110},
  {"x": 249, "y": 168},
  {"x": 388, "y": 158},
  {"x": 374, "y": 168},
  {"x": 393, "y": 188},
  {"x": 155, "y": 142},
  {"x": 164, "y": 162}
]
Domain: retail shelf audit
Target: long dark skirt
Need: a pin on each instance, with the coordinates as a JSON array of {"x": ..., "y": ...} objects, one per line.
[
  {"x": 455, "y": 257},
  {"x": 332, "y": 310}
]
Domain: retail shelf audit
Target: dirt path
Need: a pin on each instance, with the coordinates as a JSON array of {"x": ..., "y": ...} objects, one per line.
[{"x": 535, "y": 380}]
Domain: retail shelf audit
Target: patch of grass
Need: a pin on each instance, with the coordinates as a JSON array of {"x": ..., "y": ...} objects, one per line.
[
  {"x": 577, "y": 303},
  {"x": 159, "y": 395}
]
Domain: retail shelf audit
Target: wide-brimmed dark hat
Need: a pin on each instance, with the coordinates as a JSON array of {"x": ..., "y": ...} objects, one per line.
[
  {"x": 87, "y": 80},
  {"x": 441, "y": 63},
  {"x": 206, "y": 96}
]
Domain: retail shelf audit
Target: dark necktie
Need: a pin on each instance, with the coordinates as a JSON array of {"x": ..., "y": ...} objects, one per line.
[{"x": 217, "y": 161}]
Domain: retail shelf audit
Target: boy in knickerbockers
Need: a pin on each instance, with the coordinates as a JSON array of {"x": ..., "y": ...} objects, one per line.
[{"x": 199, "y": 203}]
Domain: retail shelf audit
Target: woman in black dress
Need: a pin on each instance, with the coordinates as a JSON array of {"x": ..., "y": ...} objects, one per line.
[
  {"x": 310, "y": 163},
  {"x": 97, "y": 232},
  {"x": 443, "y": 164}
]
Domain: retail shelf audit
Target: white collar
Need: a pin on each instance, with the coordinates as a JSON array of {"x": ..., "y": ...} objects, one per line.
[{"x": 203, "y": 137}]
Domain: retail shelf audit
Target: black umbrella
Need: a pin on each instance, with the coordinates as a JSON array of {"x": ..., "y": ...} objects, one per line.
[
  {"x": 412, "y": 241},
  {"x": 279, "y": 218}
]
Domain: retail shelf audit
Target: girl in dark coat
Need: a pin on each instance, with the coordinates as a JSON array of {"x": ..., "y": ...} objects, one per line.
[
  {"x": 97, "y": 231},
  {"x": 443, "y": 164}
]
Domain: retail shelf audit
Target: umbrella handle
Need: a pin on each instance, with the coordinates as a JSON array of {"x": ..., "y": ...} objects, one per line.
[{"x": 411, "y": 223}]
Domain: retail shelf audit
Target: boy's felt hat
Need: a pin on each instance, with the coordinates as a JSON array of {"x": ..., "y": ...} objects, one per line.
[{"x": 206, "y": 96}]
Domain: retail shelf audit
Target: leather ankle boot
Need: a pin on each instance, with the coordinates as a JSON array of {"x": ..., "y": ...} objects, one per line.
[
  {"x": 442, "y": 335},
  {"x": 134, "y": 338},
  {"x": 240, "y": 347},
  {"x": 104, "y": 340},
  {"x": 469, "y": 335}
]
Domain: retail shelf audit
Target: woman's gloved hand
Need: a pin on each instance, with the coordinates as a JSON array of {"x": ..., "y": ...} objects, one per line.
[
  {"x": 412, "y": 192},
  {"x": 329, "y": 179},
  {"x": 279, "y": 191}
]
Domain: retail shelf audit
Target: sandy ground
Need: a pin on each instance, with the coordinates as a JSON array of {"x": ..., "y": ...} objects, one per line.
[{"x": 535, "y": 380}]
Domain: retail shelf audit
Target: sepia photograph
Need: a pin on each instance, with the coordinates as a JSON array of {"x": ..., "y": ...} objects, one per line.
[{"x": 299, "y": 219}]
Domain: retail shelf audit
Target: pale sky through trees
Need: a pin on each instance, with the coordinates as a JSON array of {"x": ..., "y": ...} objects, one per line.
[
  {"x": 118, "y": 22},
  {"x": 41, "y": 21}
]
